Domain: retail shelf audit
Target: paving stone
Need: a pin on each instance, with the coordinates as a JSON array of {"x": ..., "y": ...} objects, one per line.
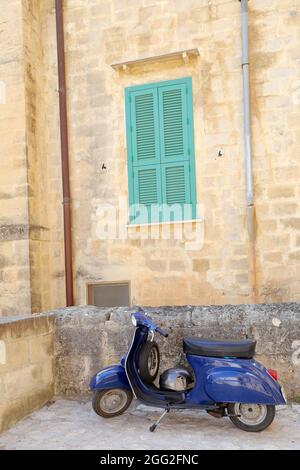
[{"x": 73, "y": 425}]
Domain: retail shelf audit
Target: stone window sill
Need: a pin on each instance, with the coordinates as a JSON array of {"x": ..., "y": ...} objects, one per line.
[{"x": 191, "y": 221}]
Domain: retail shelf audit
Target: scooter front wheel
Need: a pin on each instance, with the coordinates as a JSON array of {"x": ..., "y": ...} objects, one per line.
[
  {"x": 251, "y": 417},
  {"x": 111, "y": 402}
]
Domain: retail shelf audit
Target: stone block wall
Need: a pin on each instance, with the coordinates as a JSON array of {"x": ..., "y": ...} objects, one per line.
[
  {"x": 36, "y": 141},
  {"x": 89, "y": 338},
  {"x": 162, "y": 271},
  {"x": 26, "y": 366},
  {"x": 14, "y": 224}
]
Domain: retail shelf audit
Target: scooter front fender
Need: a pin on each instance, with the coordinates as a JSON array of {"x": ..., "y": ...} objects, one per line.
[{"x": 110, "y": 377}]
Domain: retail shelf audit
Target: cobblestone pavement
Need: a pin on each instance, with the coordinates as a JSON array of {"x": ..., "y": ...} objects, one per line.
[{"x": 73, "y": 425}]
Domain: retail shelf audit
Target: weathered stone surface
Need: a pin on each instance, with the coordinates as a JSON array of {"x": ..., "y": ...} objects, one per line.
[
  {"x": 14, "y": 232},
  {"x": 161, "y": 271},
  {"x": 85, "y": 342},
  {"x": 71, "y": 425},
  {"x": 78, "y": 315},
  {"x": 26, "y": 367},
  {"x": 59, "y": 351}
]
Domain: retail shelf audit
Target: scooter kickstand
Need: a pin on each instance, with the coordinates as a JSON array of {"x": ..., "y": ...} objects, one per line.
[{"x": 154, "y": 426}]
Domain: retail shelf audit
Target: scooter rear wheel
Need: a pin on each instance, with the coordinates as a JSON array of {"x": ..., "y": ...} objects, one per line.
[
  {"x": 112, "y": 402},
  {"x": 251, "y": 417}
]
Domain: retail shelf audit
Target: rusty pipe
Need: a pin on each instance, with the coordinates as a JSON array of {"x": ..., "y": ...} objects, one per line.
[{"x": 63, "y": 114}]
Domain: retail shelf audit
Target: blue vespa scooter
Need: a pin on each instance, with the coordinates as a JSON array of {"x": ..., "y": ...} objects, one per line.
[{"x": 226, "y": 380}]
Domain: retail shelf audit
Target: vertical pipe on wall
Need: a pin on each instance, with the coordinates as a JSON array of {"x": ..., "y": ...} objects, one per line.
[
  {"x": 246, "y": 103},
  {"x": 64, "y": 150},
  {"x": 250, "y": 212}
]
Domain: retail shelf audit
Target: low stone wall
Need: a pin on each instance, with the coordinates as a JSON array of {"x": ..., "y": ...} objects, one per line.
[
  {"x": 89, "y": 338},
  {"x": 26, "y": 366},
  {"x": 59, "y": 351}
]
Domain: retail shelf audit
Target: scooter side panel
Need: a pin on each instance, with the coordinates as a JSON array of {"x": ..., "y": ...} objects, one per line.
[
  {"x": 234, "y": 381},
  {"x": 110, "y": 377}
]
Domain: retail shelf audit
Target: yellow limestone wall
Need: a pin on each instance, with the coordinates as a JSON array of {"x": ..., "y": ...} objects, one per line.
[
  {"x": 26, "y": 233},
  {"x": 102, "y": 32},
  {"x": 14, "y": 217},
  {"x": 26, "y": 367}
]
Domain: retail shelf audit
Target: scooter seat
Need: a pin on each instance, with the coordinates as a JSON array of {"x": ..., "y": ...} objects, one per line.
[{"x": 244, "y": 349}]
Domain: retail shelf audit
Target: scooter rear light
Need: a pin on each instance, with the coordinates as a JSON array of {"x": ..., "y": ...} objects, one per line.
[{"x": 273, "y": 374}]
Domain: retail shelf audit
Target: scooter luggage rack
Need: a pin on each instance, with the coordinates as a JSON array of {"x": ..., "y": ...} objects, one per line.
[{"x": 154, "y": 426}]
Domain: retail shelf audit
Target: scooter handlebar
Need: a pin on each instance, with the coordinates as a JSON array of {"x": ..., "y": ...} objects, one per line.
[{"x": 162, "y": 332}]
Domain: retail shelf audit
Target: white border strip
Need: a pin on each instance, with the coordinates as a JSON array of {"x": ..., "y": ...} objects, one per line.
[{"x": 165, "y": 223}]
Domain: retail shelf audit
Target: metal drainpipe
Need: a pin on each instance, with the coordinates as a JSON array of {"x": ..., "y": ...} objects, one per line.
[
  {"x": 246, "y": 89},
  {"x": 64, "y": 151},
  {"x": 248, "y": 148}
]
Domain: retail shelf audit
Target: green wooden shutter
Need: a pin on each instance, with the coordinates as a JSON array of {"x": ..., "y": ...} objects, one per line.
[
  {"x": 177, "y": 150},
  {"x": 177, "y": 191},
  {"x": 173, "y": 123},
  {"x": 147, "y": 191},
  {"x": 145, "y": 127},
  {"x": 176, "y": 187},
  {"x": 143, "y": 154},
  {"x": 160, "y": 148}
]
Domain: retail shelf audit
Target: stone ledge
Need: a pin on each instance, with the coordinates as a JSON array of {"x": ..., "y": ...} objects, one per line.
[
  {"x": 14, "y": 232},
  {"x": 84, "y": 339},
  {"x": 10, "y": 232},
  {"x": 89, "y": 338},
  {"x": 29, "y": 325}
]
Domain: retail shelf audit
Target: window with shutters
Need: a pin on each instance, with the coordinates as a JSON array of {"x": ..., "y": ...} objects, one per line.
[{"x": 160, "y": 151}]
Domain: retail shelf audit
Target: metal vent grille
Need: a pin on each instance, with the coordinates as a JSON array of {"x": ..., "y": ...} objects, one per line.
[{"x": 106, "y": 294}]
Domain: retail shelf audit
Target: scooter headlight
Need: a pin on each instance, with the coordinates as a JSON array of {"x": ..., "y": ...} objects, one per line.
[{"x": 133, "y": 319}]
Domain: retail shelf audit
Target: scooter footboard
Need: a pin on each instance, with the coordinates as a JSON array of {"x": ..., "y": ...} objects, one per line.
[
  {"x": 110, "y": 377},
  {"x": 248, "y": 384}
]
